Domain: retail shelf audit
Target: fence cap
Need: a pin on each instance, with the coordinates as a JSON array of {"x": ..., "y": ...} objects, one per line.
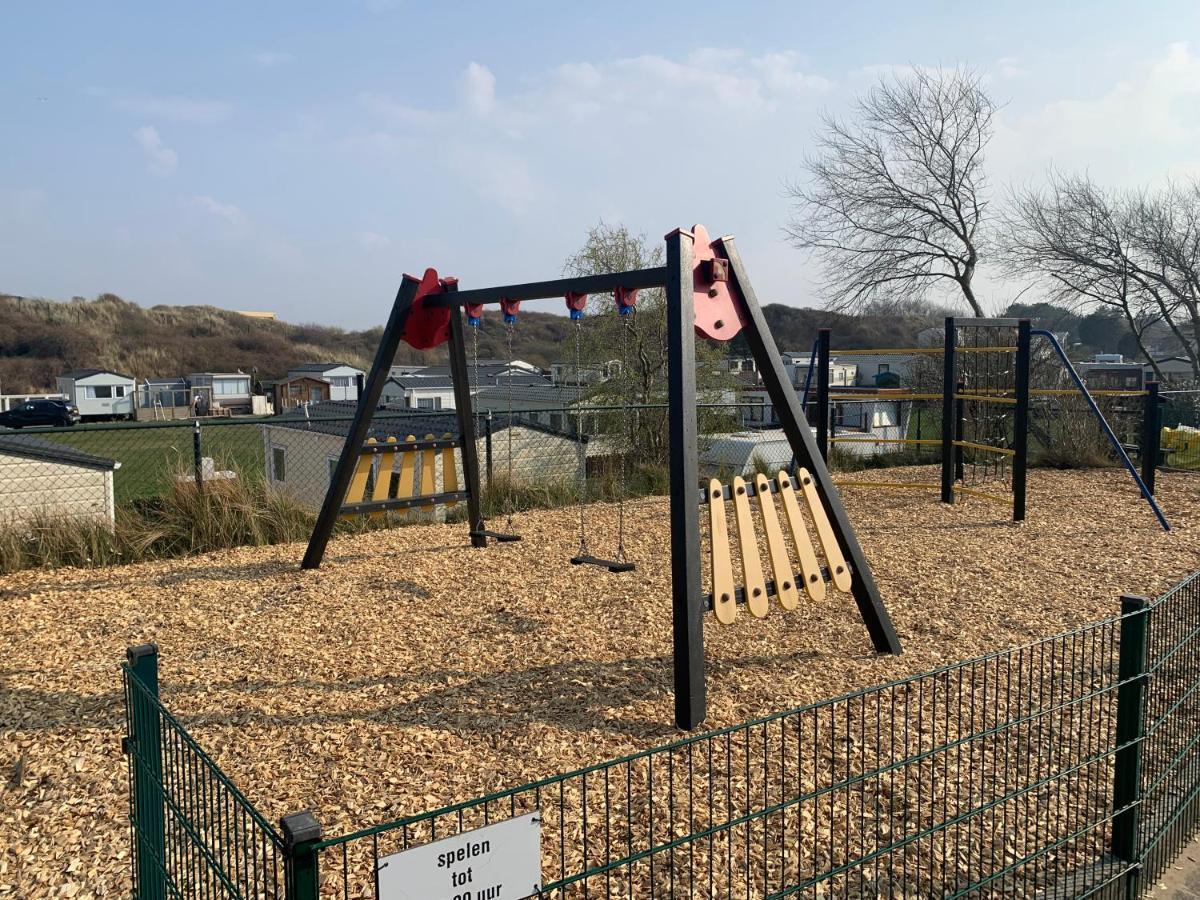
[
  {"x": 300, "y": 827},
  {"x": 133, "y": 654}
]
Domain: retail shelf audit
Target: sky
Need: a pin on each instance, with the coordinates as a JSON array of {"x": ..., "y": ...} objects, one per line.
[{"x": 299, "y": 157}]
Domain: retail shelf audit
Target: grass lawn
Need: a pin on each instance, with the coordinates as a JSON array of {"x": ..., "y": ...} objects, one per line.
[{"x": 150, "y": 453}]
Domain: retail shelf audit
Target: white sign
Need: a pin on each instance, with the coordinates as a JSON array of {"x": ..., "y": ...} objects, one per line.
[{"x": 496, "y": 862}]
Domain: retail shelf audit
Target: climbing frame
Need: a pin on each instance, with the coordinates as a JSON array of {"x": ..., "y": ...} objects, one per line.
[
  {"x": 405, "y": 476},
  {"x": 754, "y": 590}
]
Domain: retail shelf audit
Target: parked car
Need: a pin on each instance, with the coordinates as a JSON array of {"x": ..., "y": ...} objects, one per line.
[{"x": 40, "y": 412}]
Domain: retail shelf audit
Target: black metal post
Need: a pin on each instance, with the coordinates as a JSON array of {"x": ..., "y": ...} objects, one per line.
[
  {"x": 1151, "y": 434},
  {"x": 466, "y": 422},
  {"x": 948, "y": 383},
  {"x": 197, "y": 458},
  {"x": 301, "y": 831},
  {"x": 1021, "y": 421},
  {"x": 146, "y": 775},
  {"x": 687, "y": 605},
  {"x": 823, "y": 392},
  {"x": 804, "y": 447},
  {"x": 363, "y": 412},
  {"x": 960, "y": 432},
  {"x": 360, "y": 386},
  {"x": 1127, "y": 763}
]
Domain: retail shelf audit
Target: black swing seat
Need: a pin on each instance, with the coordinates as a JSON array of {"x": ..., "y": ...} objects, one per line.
[
  {"x": 498, "y": 536},
  {"x": 611, "y": 564}
]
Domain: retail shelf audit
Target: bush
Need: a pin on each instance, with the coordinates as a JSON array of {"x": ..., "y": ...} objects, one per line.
[{"x": 232, "y": 513}]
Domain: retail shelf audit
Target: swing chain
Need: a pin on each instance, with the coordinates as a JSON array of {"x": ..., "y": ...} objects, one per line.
[
  {"x": 475, "y": 406},
  {"x": 580, "y": 447},
  {"x": 508, "y": 488},
  {"x": 627, "y": 324}
]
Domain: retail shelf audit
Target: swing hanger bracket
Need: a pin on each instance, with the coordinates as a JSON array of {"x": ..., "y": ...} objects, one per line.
[
  {"x": 626, "y": 300},
  {"x": 718, "y": 302},
  {"x": 510, "y": 308},
  {"x": 576, "y": 304}
]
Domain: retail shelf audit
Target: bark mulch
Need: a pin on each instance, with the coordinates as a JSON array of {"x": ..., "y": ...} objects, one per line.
[{"x": 411, "y": 671}]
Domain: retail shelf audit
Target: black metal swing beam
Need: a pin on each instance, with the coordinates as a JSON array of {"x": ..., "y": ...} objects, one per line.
[{"x": 689, "y": 603}]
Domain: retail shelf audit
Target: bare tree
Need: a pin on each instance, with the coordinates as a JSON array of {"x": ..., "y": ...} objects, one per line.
[
  {"x": 1077, "y": 237},
  {"x": 1165, "y": 233},
  {"x": 896, "y": 194},
  {"x": 1138, "y": 253}
]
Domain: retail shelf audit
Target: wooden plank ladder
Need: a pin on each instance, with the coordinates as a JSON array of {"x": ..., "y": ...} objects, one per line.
[{"x": 784, "y": 585}]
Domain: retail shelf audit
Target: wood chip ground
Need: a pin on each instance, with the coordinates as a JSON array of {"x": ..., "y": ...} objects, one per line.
[{"x": 411, "y": 671}]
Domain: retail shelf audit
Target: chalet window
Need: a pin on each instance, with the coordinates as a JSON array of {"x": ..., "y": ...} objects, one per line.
[
  {"x": 278, "y": 463},
  {"x": 99, "y": 392},
  {"x": 883, "y": 367},
  {"x": 231, "y": 386},
  {"x": 425, "y": 403}
]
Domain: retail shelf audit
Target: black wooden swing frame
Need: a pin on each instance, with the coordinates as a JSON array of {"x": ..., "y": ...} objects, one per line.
[{"x": 689, "y": 603}]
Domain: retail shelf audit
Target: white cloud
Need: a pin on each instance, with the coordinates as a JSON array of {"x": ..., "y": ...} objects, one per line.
[
  {"x": 397, "y": 112},
  {"x": 269, "y": 59},
  {"x": 498, "y": 175},
  {"x": 373, "y": 240},
  {"x": 1144, "y": 123},
  {"x": 477, "y": 87},
  {"x": 1010, "y": 67},
  {"x": 175, "y": 108},
  {"x": 227, "y": 212},
  {"x": 160, "y": 160},
  {"x": 509, "y": 145}
]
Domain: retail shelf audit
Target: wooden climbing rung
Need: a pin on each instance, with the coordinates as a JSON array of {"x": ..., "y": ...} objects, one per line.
[
  {"x": 829, "y": 543},
  {"x": 752, "y": 575},
  {"x": 428, "y": 475},
  {"x": 810, "y": 568},
  {"x": 449, "y": 470},
  {"x": 781, "y": 563},
  {"x": 362, "y": 472},
  {"x": 724, "y": 604},
  {"x": 383, "y": 477}
]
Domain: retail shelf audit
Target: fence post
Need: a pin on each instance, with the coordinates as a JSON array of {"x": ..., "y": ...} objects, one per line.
[
  {"x": 1127, "y": 764},
  {"x": 301, "y": 831},
  {"x": 145, "y": 748},
  {"x": 197, "y": 458},
  {"x": 1151, "y": 434},
  {"x": 948, "y": 370},
  {"x": 1021, "y": 420},
  {"x": 823, "y": 392}
]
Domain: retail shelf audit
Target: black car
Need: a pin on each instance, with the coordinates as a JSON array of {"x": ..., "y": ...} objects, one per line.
[{"x": 40, "y": 412}]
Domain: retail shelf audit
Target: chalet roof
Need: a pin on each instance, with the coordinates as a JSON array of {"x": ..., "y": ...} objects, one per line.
[
  {"x": 322, "y": 367},
  {"x": 30, "y": 447},
  {"x": 529, "y": 393},
  {"x": 88, "y": 373},
  {"x": 392, "y": 421}
]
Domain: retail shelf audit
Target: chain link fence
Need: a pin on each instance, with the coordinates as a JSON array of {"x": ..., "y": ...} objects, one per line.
[{"x": 97, "y": 494}]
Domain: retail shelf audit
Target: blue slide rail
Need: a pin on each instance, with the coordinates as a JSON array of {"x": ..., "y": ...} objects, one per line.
[{"x": 1112, "y": 438}]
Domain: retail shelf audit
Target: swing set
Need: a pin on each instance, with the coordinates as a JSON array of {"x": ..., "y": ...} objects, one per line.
[{"x": 707, "y": 294}]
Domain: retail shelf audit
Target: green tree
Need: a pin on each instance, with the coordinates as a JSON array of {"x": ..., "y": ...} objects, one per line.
[{"x": 638, "y": 343}]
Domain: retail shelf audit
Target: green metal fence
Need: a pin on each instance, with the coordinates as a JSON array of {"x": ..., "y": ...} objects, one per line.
[
  {"x": 192, "y": 832},
  {"x": 1068, "y": 767}
]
